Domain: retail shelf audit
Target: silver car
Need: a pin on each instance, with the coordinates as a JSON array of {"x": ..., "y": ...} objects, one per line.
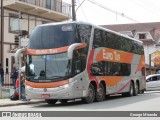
[{"x": 153, "y": 82}]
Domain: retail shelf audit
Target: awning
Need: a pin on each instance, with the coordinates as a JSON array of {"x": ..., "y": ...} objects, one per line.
[{"x": 35, "y": 10}]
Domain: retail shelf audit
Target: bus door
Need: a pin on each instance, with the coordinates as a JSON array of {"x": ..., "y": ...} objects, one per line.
[{"x": 79, "y": 64}]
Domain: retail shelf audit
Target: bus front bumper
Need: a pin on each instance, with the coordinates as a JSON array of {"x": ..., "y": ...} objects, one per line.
[{"x": 62, "y": 92}]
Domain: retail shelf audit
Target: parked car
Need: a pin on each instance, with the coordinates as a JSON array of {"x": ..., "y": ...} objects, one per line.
[{"x": 153, "y": 82}]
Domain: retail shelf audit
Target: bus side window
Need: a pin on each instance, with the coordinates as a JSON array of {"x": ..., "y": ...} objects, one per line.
[
  {"x": 97, "y": 69},
  {"x": 98, "y": 38},
  {"x": 79, "y": 60}
]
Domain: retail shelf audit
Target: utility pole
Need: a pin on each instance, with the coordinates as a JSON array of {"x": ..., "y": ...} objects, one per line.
[
  {"x": 2, "y": 34},
  {"x": 73, "y": 11},
  {"x": 19, "y": 62}
]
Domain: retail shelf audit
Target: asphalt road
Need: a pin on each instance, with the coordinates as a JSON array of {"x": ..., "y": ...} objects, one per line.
[{"x": 149, "y": 101}]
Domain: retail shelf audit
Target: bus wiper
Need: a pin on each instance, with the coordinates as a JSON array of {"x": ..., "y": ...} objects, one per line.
[
  {"x": 57, "y": 77},
  {"x": 29, "y": 77}
]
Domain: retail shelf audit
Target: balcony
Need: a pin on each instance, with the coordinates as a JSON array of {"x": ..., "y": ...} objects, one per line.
[{"x": 55, "y": 10}]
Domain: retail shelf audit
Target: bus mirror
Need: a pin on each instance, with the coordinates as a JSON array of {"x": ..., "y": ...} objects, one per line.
[
  {"x": 72, "y": 47},
  {"x": 18, "y": 53}
]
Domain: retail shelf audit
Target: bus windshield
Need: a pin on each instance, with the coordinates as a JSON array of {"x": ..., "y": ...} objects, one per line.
[
  {"x": 43, "y": 68},
  {"x": 55, "y": 36}
]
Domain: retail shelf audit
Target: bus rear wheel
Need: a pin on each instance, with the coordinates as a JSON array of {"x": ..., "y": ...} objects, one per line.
[
  {"x": 100, "y": 95},
  {"x": 131, "y": 90},
  {"x": 136, "y": 89},
  {"x": 50, "y": 101},
  {"x": 90, "y": 96}
]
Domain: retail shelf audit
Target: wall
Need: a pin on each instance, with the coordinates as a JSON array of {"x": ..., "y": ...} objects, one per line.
[{"x": 9, "y": 38}]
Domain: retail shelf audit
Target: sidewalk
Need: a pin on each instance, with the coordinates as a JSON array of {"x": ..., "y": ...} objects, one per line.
[
  {"x": 4, "y": 92},
  {"x": 8, "y": 102}
]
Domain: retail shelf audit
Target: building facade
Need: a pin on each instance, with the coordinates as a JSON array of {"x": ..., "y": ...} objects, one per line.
[
  {"x": 18, "y": 19},
  {"x": 148, "y": 33}
]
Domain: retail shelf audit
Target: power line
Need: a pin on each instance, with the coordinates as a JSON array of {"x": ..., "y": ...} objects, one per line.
[
  {"x": 80, "y": 5},
  {"x": 151, "y": 5},
  {"x": 83, "y": 12},
  {"x": 154, "y": 6},
  {"x": 145, "y": 6},
  {"x": 113, "y": 11}
]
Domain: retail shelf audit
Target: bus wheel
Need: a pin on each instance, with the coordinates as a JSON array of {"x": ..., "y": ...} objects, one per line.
[
  {"x": 51, "y": 101},
  {"x": 131, "y": 90},
  {"x": 136, "y": 89},
  {"x": 63, "y": 101},
  {"x": 100, "y": 95},
  {"x": 91, "y": 95}
]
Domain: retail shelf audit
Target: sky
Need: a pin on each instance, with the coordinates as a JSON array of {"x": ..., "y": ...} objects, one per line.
[{"x": 104, "y": 12}]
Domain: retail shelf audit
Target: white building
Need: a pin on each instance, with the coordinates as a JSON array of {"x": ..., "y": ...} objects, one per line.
[{"x": 22, "y": 16}]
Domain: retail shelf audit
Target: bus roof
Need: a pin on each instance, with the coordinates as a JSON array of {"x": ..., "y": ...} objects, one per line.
[{"x": 95, "y": 26}]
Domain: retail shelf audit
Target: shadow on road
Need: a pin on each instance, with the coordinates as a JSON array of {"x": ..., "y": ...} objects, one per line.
[{"x": 110, "y": 102}]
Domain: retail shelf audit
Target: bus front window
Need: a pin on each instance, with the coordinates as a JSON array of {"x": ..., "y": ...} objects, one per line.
[{"x": 48, "y": 67}]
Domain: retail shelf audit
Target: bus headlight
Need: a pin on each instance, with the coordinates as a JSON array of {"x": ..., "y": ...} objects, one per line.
[
  {"x": 72, "y": 80},
  {"x": 66, "y": 86},
  {"x": 29, "y": 88},
  {"x": 69, "y": 84}
]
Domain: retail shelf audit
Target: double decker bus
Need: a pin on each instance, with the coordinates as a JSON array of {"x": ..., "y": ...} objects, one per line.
[{"x": 72, "y": 60}]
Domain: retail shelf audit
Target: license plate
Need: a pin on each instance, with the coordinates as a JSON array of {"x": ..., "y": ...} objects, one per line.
[{"x": 45, "y": 95}]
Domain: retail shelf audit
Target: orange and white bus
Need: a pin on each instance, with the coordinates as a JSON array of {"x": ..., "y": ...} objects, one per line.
[{"x": 71, "y": 60}]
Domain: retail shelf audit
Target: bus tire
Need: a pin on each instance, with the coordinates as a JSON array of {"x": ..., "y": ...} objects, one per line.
[
  {"x": 63, "y": 101},
  {"x": 131, "y": 90},
  {"x": 50, "y": 101},
  {"x": 100, "y": 95},
  {"x": 136, "y": 89},
  {"x": 91, "y": 95}
]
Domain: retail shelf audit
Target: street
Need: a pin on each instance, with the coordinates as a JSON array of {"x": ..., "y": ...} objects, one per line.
[{"x": 149, "y": 101}]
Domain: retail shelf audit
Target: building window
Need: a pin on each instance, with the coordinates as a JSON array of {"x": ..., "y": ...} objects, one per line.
[
  {"x": 142, "y": 36},
  {"x": 48, "y": 4},
  {"x": 14, "y": 23},
  {"x": 6, "y": 65}
]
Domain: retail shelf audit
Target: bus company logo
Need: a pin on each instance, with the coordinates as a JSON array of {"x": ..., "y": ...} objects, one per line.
[
  {"x": 41, "y": 51},
  {"x": 6, "y": 114},
  {"x": 48, "y": 51},
  {"x": 45, "y": 89},
  {"x": 113, "y": 55}
]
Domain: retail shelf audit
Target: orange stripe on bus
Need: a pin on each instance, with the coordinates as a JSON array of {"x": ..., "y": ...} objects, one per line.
[
  {"x": 81, "y": 46},
  {"x": 46, "y": 85},
  {"x": 47, "y": 51},
  {"x": 107, "y": 54},
  {"x": 111, "y": 80},
  {"x": 52, "y": 51}
]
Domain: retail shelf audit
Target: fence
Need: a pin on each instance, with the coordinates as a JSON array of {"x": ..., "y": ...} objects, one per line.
[
  {"x": 6, "y": 86},
  {"x": 55, "y": 5}
]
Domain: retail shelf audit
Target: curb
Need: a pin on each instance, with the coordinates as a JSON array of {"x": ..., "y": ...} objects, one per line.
[{"x": 21, "y": 103}]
